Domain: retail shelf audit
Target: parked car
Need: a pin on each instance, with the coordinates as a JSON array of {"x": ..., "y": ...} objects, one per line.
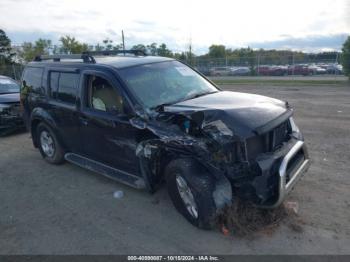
[
  {"x": 142, "y": 120},
  {"x": 278, "y": 70},
  {"x": 10, "y": 118},
  {"x": 317, "y": 70},
  {"x": 334, "y": 69},
  {"x": 263, "y": 70},
  {"x": 220, "y": 71},
  {"x": 203, "y": 70},
  {"x": 300, "y": 70},
  {"x": 240, "y": 71}
]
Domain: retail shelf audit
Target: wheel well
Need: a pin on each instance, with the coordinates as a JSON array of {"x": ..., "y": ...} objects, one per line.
[{"x": 33, "y": 126}]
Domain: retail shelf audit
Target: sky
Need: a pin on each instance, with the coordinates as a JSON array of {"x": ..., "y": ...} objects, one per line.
[{"x": 306, "y": 25}]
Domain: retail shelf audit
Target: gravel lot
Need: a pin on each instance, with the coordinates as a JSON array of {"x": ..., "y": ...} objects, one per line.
[{"x": 47, "y": 209}]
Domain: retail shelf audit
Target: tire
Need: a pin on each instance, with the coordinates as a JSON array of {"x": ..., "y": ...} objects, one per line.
[
  {"x": 53, "y": 157},
  {"x": 201, "y": 185}
]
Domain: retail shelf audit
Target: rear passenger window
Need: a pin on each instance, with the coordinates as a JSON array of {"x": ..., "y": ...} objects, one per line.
[
  {"x": 64, "y": 86},
  {"x": 32, "y": 80}
]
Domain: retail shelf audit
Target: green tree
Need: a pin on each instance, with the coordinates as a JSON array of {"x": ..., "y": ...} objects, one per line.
[
  {"x": 152, "y": 48},
  {"x": 31, "y": 50},
  {"x": 217, "y": 51},
  {"x": 345, "y": 57},
  {"x": 6, "y": 55},
  {"x": 140, "y": 47},
  {"x": 5, "y": 48},
  {"x": 72, "y": 46},
  {"x": 108, "y": 44},
  {"x": 163, "y": 50}
]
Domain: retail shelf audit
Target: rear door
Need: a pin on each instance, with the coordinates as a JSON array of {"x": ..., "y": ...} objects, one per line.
[
  {"x": 63, "y": 86},
  {"x": 107, "y": 134}
]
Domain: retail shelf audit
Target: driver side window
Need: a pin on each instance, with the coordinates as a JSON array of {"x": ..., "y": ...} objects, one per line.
[{"x": 102, "y": 96}]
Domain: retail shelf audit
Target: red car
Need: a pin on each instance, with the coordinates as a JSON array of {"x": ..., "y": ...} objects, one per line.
[
  {"x": 272, "y": 70},
  {"x": 300, "y": 70}
]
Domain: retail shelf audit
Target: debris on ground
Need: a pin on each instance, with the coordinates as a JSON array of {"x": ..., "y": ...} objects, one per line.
[
  {"x": 118, "y": 194},
  {"x": 243, "y": 218},
  {"x": 225, "y": 230},
  {"x": 292, "y": 206},
  {"x": 295, "y": 227}
]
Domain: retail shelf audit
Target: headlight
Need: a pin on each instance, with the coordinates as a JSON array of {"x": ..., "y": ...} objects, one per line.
[
  {"x": 295, "y": 130},
  {"x": 294, "y": 127},
  {"x": 3, "y": 107}
]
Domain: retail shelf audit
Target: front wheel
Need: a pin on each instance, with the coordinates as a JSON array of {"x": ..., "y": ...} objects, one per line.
[
  {"x": 49, "y": 147},
  {"x": 191, "y": 189}
]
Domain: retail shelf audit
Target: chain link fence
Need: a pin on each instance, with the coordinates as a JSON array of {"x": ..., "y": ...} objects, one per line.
[
  {"x": 268, "y": 66},
  {"x": 12, "y": 70},
  {"x": 257, "y": 65}
]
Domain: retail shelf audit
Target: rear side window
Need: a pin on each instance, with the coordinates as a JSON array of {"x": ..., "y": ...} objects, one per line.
[
  {"x": 32, "y": 80},
  {"x": 64, "y": 86}
]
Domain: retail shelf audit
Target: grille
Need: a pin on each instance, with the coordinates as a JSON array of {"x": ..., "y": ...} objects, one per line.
[
  {"x": 14, "y": 109},
  {"x": 269, "y": 141},
  {"x": 280, "y": 134}
]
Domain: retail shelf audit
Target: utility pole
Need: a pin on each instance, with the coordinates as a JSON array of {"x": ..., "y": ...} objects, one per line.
[
  {"x": 123, "y": 41},
  {"x": 190, "y": 51}
]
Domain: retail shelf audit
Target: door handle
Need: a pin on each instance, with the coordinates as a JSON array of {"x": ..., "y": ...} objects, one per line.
[{"x": 83, "y": 120}]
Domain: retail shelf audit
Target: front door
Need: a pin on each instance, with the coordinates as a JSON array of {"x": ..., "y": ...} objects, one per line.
[{"x": 107, "y": 134}]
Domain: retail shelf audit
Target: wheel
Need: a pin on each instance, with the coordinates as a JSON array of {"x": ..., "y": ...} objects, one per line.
[
  {"x": 191, "y": 188},
  {"x": 49, "y": 147}
]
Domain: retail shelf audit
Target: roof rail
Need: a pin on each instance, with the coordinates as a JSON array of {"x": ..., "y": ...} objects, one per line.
[
  {"x": 88, "y": 56},
  {"x": 57, "y": 58},
  {"x": 136, "y": 52}
]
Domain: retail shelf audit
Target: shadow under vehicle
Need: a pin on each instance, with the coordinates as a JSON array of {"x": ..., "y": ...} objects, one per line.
[{"x": 143, "y": 120}]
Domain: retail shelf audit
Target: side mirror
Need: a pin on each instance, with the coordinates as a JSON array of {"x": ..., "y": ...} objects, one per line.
[{"x": 113, "y": 110}]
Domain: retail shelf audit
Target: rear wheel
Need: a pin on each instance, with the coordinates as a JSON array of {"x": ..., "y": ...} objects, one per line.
[
  {"x": 191, "y": 189},
  {"x": 49, "y": 147}
]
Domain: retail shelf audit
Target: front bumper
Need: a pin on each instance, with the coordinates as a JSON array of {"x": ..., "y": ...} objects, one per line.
[
  {"x": 268, "y": 179},
  {"x": 9, "y": 122},
  {"x": 288, "y": 175}
]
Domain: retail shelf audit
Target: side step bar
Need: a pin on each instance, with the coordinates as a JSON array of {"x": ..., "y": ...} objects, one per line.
[{"x": 113, "y": 173}]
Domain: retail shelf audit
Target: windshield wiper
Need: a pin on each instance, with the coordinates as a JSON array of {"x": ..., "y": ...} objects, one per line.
[
  {"x": 198, "y": 95},
  {"x": 161, "y": 106}
]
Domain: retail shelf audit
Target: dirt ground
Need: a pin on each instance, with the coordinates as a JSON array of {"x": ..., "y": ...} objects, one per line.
[{"x": 47, "y": 209}]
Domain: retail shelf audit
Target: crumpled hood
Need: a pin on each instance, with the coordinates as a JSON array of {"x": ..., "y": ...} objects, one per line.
[
  {"x": 234, "y": 113},
  {"x": 9, "y": 98}
]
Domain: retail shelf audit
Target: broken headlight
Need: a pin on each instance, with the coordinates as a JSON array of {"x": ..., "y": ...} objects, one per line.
[
  {"x": 3, "y": 108},
  {"x": 295, "y": 129}
]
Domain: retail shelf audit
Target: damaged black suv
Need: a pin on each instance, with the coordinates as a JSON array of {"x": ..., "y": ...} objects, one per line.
[{"x": 142, "y": 120}]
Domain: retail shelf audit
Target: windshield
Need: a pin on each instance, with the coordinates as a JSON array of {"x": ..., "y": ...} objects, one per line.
[
  {"x": 8, "y": 86},
  {"x": 165, "y": 83}
]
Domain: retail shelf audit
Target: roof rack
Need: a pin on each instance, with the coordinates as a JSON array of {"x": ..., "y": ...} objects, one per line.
[
  {"x": 136, "y": 52},
  {"x": 57, "y": 58},
  {"x": 88, "y": 56}
]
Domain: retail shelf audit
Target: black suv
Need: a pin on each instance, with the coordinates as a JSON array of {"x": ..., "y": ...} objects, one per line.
[{"x": 142, "y": 120}]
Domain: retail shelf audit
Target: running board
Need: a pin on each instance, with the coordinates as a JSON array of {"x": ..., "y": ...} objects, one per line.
[{"x": 113, "y": 173}]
